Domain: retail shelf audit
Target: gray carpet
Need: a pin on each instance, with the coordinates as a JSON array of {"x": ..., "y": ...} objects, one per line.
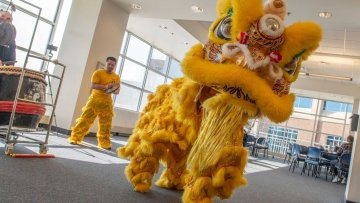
[{"x": 87, "y": 174}]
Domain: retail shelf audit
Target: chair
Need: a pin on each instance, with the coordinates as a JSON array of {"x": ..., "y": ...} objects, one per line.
[
  {"x": 261, "y": 143},
  {"x": 343, "y": 165},
  {"x": 288, "y": 152},
  {"x": 296, "y": 156},
  {"x": 313, "y": 161},
  {"x": 249, "y": 140},
  {"x": 326, "y": 159}
]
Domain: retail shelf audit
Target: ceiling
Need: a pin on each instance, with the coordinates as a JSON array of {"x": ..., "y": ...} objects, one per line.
[{"x": 338, "y": 54}]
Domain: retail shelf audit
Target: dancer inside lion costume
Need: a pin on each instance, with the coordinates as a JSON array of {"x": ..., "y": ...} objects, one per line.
[{"x": 195, "y": 125}]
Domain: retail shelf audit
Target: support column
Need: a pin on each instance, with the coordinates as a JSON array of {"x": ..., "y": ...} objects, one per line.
[
  {"x": 353, "y": 183},
  {"x": 95, "y": 30}
]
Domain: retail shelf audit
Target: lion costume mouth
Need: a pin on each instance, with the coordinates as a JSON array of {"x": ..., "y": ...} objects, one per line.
[
  {"x": 253, "y": 56},
  {"x": 224, "y": 76}
]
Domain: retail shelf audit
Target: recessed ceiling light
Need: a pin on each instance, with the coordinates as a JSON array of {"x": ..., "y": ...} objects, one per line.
[
  {"x": 186, "y": 43},
  {"x": 136, "y": 6},
  {"x": 325, "y": 14},
  {"x": 197, "y": 9},
  {"x": 163, "y": 27},
  {"x": 172, "y": 33}
]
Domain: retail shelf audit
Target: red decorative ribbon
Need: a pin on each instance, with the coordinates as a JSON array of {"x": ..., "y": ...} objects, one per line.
[
  {"x": 243, "y": 37},
  {"x": 275, "y": 56},
  {"x": 23, "y": 108}
]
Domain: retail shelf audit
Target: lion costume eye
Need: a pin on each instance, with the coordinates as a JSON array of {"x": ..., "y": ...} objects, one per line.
[
  {"x": 271, "y": 26},
  {"x": 223, "y": 29}
]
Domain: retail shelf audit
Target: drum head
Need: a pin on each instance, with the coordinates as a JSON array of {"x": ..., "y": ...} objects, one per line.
[{"x": 7, "y": 33}]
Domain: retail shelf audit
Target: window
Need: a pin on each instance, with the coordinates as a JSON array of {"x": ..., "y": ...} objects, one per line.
[
  {"x": 337, "y": 106},
  {"x": 303, "y": 102},
  {"x": 48, "y": 11},
  {"x": 153, "y": 80},
  {"x": 308, "y": 127},
  {"x": 279, "y": 137},
  {"x": 133, "y": 73},
  {"x": 169, "y": 81},
  {"x": 123, "y": 45},
  {"x": 141, "y": 76},
  {"x": 138, "y": 50},
  {"x": 128, "y": 98},
  {"x": 175, "y": 69},
  {"x": 144, "y": 100},
  {"x": 159, "y": 61},
  {"x": 332, "y": 140}
]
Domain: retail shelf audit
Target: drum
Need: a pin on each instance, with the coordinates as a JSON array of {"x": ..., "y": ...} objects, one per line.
[{"x": 30, "y": 108}]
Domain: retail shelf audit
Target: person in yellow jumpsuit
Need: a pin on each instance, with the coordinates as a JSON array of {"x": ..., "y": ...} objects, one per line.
[{"x": 104, "y": 83}]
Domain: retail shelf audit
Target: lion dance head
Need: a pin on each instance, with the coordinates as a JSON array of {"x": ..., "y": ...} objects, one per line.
[{"x": 252, "y": 50}]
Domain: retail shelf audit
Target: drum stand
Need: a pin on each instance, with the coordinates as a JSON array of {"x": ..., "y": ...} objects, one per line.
[{"x": 13, "y": 133}]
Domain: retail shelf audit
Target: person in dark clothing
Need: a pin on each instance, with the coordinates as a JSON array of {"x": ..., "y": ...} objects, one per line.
[
  {"x": 7, "y": 39},
  {"x": 345, "y": 148}
]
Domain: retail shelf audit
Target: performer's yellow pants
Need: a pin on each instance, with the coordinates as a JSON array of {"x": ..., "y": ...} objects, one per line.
[{"x": 95, "y": 107}]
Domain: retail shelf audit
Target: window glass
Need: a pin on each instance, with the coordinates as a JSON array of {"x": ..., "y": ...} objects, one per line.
[
  {"x": 349, "y": 108},
  {"x": 133, "y": 73},
  {"x": 118, "y": 65},
  {"x": 153, "y": 80},
  {"x": 48, "y": 7},
  {"x": 169, "y": 81},
  {"x": 25, "y": 25},
  {"x": 175, "y": 69},
  {"x": 33, "y": 64},
  {"x": 144, "y": 101},
  {"x": 124, "y": 43},
  {"x": 128, "y": 98},
  {"x": 279, "y": 136},
  {"x": 334, "y": 106},
  {"x": 333, "y": 140},
  {"x": 138, "y": 50},
  {"x": 303, "y": 102},
  {"x": 159, "y": 61},
  {"x": 42, "y": 36}
]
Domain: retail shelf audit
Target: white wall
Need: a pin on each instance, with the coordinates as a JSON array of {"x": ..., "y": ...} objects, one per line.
[
  {"x": 90, "y": 36},
  {"x": 74, "y": 53}
]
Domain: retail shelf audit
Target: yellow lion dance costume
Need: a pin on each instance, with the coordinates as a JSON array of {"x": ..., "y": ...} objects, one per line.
[{"x": 195, "y": 125}]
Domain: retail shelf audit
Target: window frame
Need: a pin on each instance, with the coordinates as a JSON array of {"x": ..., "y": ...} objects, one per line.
[{"x": 123, "y": 56}]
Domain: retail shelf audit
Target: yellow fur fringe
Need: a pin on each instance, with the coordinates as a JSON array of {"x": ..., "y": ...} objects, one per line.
[
  {"x": 221, "y": 126},
  {"x": 299, "y": 37}
]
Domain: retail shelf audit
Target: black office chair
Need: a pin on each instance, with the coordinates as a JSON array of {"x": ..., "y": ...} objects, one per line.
[{"x": 261, "y": 144}]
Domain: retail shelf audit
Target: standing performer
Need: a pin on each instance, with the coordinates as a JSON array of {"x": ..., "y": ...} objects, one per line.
[
  {"x": 7, "y": 39},
  {"x": 104, "y": 83}
]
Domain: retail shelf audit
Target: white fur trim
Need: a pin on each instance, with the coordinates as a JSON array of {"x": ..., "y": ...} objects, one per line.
[{"x": 238, "y": 47}]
